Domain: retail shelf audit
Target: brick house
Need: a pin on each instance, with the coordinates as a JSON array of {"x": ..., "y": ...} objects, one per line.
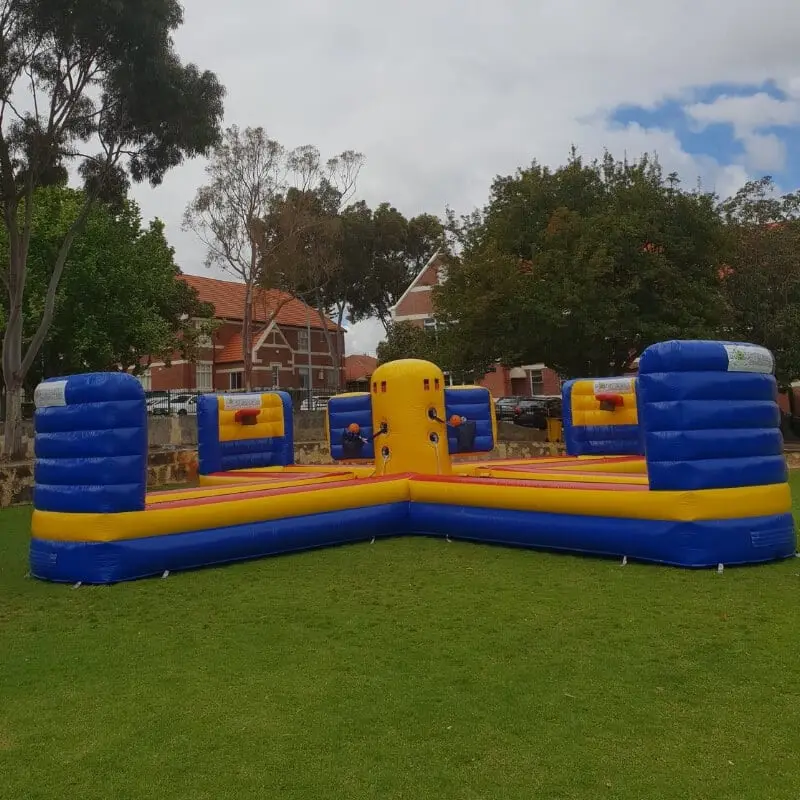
[
  {"x": 290, "y": 352},
  {"x": 416, "y": 306},
  {"x": 358, "y": 370}
]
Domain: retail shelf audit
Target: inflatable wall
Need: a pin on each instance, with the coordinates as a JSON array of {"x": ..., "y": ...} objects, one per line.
[
  {"x": 90, "y": 444},
  {"x": 244, "y": 431},
  {"x": 345, "y": 410},
  {"x": 477, "y": 431},
  {"x": 709, "y": 416},
  {"x": 601, "y": 417}
]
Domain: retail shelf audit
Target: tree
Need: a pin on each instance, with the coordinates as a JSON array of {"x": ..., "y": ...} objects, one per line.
[
  {"x": 761, "y": 277},
  {"x": 393, "y": 253},
  {"x": 246, "y": 172},
  {"x": 120, "y": 301},
  {"x": 585, "y": 266},
  {"x": 405, "y": 340},
  {"x": 242, "y": 217},
  {"x": 302, "y": 254},
  {"x": 100, "y": 76}
]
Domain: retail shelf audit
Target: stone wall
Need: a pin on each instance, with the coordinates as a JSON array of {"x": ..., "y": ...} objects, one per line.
[
  {"x": 182, "y": 431},
  {"x": 173, "y": 453}
]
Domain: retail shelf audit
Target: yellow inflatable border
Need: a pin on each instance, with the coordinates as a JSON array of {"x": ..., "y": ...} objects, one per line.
[{"x": 708, "y": 504}]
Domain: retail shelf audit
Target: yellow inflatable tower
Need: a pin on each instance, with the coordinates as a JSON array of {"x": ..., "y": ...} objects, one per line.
[{"x": 408, "y": 402}]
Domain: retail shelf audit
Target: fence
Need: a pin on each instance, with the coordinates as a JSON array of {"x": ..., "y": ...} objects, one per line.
[{"x": 177, "y": 402}]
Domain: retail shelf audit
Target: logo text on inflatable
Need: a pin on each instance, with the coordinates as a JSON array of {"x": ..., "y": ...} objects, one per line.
[{"x": 749, "y": 358}]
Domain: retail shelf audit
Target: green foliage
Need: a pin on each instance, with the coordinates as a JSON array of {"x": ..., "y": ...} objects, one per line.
[
  {"x": 762, "y": 273},
  {"x": 405, "y": 340},
  {"x": 78, "y": 76},
  {"x": 584, "y": 266},
  {"x": 120, "y": 300},
  {"x": 390, "y": 251},
  {"x": 105, "y": 70}
]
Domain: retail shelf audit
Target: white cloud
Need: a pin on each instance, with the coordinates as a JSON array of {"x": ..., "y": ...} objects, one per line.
[
  {"x": 746, "y": 113},
  {"x": 764, "y": 152},
  {"x": 442, "y": 95},
  {"x": 363, "y": 337},
  {"x": 749, "y": 116}
]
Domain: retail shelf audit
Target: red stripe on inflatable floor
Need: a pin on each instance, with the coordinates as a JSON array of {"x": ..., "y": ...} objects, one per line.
[
  {"x": 573, "y": 472},
  {"x": 256, "y": 493},
  {"x": 524, "y": 484},
  {"x": 272, "y": 476}
]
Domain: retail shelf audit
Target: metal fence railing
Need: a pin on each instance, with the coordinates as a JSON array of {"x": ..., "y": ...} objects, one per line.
[{"x": 178, "y": 402}]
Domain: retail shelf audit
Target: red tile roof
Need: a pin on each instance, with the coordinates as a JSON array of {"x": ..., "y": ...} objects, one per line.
[
  {"x": 359, "y": 368},
  {"x": 228, "y": 299},
  {"x": 233, "y": 349}
]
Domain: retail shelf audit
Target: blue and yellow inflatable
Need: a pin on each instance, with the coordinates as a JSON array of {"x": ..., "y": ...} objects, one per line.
[{"x": 681, "y": 465}]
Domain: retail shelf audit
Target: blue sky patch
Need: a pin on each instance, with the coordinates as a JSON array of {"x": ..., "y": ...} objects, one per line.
[{"x": 716, "y": 140}]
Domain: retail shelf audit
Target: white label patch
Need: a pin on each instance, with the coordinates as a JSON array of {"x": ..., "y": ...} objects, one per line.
[
  {"x": 236, "y": 402},
  {"x": 749, "y": 358},
  {"x": 614, "y": 386},
  {"x": 53, "y": 393}
]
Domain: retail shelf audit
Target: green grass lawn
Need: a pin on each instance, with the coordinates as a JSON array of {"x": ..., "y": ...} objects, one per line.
[{"x": 410, "y": 668}]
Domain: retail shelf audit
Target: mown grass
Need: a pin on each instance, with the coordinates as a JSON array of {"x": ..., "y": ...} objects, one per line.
[{"x": 410, "y": 668}]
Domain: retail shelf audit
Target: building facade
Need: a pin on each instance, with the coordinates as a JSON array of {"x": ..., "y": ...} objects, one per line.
[
  {"x": 358, "y": 370},
  {"x": 416, "y": 307},
  {"x": 290, "y": 348}
]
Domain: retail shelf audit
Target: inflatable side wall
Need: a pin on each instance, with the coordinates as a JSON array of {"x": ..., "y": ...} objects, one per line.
[
  {"x": 709, "y": 416},
  {"x": 244, "y": 431},
  {"x": 343, "y": 411},
  {"x": 478, "y": 432},
  {"x": 601, "y": 417},
  {"x": 90, "y": 444}
]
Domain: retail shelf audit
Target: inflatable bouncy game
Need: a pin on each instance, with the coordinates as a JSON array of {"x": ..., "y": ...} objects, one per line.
[{"x": 681, "y": 465}]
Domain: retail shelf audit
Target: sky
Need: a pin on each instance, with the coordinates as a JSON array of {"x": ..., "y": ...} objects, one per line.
[{"x": 443, "y": 95}]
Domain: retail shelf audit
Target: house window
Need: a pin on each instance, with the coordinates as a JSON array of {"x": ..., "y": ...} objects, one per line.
[
  {"x": 276, "y": 376},
  {"x": 330, "y": 378},
  {"x": 305, "y": 377},
  {"x": 204, "y": 373},
  {"x": 429, "y": 324},
  {"x": 303, "y": 341},
  {"x": 537, "y": 381},
  {"x": 236, "y": 380},
  {"x": 146, "y": 380},
  {"x": 203, "y": 338}
]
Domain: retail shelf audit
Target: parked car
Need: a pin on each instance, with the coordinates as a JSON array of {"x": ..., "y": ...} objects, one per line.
[
  {"x": 505, "y": 407},
  {"x": 180, "y": 404},
  {"x": 184, "y": 404},
  {"x": 156, "y": 399},
  {"x": 533, "y": 412},
  {"x": 158, "y": 403}
]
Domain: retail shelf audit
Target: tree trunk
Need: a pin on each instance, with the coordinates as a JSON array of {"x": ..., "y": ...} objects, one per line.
[
  {"x": 13, "y": 443},
  {"x": 247, "y": 326},
  {"x": 333, "y": 349}
]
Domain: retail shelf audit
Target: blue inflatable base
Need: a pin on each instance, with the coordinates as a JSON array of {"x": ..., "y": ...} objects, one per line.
[{"x": 681, "y": 544}]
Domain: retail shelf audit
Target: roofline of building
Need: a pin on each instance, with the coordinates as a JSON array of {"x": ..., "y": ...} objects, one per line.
[
  {"x": 315, "y": 325},
  {"x": 416, "y": 279}
]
